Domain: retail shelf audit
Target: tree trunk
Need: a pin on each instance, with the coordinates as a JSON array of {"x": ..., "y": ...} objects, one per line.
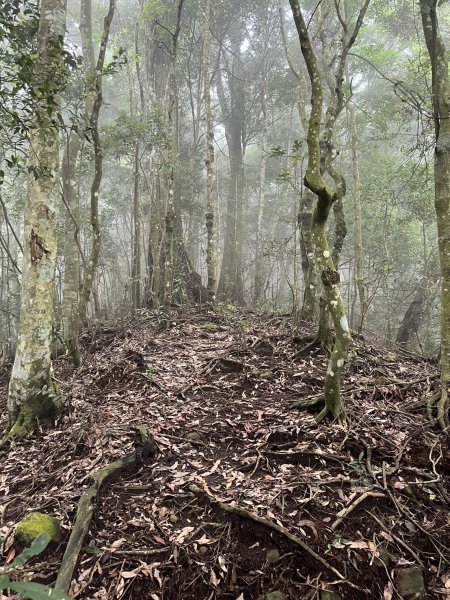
[
  {"x": 309, "y": 310},
  {"x": 136, "y": 275},
  {"x": 310, "y": 305},
  {"x": 325, "y": 200},
  {"x": 32, "y": 393},
  {"x": 441, "y": 112},
  {"x": 231, "y": 285},
  {"x": 209, "y": 160},
  {"x": 359, "y": 257},
  {"x": 91, "y": 265},
  {"x": 260, "y": 271},
  {"x": 72, "y": 253}
]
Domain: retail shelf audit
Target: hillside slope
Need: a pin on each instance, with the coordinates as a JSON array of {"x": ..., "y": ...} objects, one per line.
[{"x": 216, "y": 390}]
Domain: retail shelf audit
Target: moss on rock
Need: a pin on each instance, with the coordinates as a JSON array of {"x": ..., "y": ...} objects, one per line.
[{"x": 34, "y": 524}]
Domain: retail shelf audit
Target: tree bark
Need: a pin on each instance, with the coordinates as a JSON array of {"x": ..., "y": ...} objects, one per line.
[
  {"x": 231, "y": 285},
  {"x": 91, "y": 264},
  {"x": 136, "y": 275},
  {"x": 32, "y": 393},
  {"x": 209, "y": 159},
  {"x": 441, "y": 112},
  {"x": 72, "y": 254},
  {"x": 325, "y": 200}
]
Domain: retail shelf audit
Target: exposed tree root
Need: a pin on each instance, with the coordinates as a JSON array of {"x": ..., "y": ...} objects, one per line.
[
  {"x": 438, "y": 402},
  {"x": 312, "y": 403},
  {"x": 144, "y": 450},
  {"x": 308, "y": 403},
  {"x": 31, "y": 411},
  {"x": 245, "y": 514},
  {"x": 314, "y": 343}
]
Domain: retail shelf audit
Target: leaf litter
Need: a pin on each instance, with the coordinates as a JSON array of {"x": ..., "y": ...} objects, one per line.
[{"x": 219, "y": 402}]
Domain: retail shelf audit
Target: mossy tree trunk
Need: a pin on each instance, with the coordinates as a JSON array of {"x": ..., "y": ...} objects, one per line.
[
  {"x": 441, "y": 111},
  {"x": 32, "y": 394},
  {"x": 326, "y": 197},
  {"x": 310, "y": 305},
  {"x": 170, "y": 160}
]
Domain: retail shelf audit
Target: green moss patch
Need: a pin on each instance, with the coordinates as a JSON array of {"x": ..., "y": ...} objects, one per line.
[{"x": 34, "y": 524}]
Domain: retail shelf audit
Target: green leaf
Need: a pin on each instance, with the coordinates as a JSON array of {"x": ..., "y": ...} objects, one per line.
[
  {"x": 32, "y": 591},
  {"x": 38, "y": 546}
]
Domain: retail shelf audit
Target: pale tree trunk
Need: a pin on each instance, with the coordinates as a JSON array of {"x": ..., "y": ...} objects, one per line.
[
  {"x": 359, "y": 256},
  {"x": 209, "y": 160},
  {"x": 72, "y": 253},
  {"x": 441, "y": 112},
  {"x": 260, "y": 271},
  {"x": 325, "y": 199},
  {"x": 32, "y": 394},
  {"x": 231, "y": 286}
]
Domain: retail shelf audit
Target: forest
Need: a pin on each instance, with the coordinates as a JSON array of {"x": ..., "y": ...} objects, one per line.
[{"x": 224, "y": 299}]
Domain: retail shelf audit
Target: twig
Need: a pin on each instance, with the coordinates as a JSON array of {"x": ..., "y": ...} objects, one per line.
[{"x": 351, "y": 507}]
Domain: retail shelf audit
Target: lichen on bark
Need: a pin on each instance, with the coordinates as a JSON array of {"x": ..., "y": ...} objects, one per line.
[
  {"x": 318, "y": 161},
  {"x": 32, "y": 394}
]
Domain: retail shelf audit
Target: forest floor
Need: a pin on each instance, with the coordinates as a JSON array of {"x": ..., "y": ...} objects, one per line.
[{"x": 370, "y": 498}]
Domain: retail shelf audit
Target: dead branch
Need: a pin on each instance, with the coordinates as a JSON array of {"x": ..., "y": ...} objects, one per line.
[
  {"x": 351, "y": 507},
  {"x": 87, "y": 505}
]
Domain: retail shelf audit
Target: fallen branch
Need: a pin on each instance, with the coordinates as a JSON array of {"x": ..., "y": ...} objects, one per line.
[
  {"x": 87, "y": 504},
  {"x": 351, "y": 507},
  {"x": 245, "y": 514}
]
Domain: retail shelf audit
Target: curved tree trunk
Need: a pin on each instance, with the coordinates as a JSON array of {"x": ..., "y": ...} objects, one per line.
[
  {"x": 32, "y": 394},
  {"x": 325, "y": 200},
  {"x": 310, "y": 305}
]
